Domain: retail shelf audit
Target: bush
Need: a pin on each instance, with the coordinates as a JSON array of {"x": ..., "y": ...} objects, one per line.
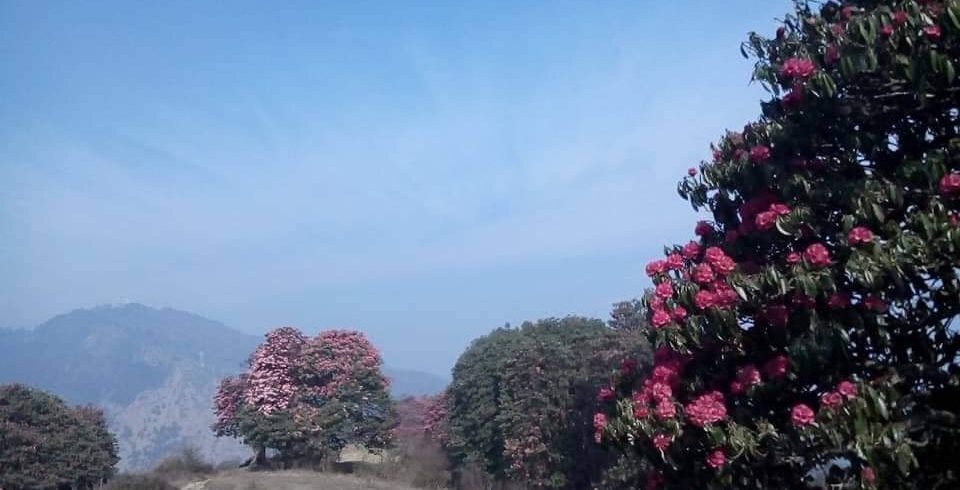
[{"x": 813, "y": 319}]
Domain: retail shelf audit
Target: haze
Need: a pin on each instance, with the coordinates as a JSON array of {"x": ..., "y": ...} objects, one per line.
[{"x": 424, "y": 172}]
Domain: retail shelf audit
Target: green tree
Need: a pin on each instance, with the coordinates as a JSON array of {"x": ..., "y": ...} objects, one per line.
[
  {"x": 521, "y": 401},
  {"x": 45, "y": 444}
]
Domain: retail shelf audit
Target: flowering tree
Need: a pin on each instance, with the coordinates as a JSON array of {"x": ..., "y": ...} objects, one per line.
[
  {"x": 307, "y": 397},
  {"x": 810, "y": 321}
]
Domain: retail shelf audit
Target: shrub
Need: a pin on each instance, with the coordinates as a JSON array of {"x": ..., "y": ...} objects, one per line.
[
  {"x": 139, "y": 482},
  {"x": 185, "y": 464},
  {"x": 811, "y": 320}
]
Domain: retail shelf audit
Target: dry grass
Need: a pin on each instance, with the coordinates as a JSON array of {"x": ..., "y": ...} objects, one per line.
[{"x": 292, "y": 480}]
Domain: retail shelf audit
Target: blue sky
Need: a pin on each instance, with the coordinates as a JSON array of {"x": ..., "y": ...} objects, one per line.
[{"x": 422, "y": 171}]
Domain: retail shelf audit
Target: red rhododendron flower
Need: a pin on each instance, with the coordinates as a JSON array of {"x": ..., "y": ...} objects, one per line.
[
  {"x": 950, "y": 184},
  {"x": 703, "y": 228},
  {"x": 749, "y": 375},
  {"x": 655, "y": 267},
  {"x": 759, "y": 154},
  {"x": 776, "y": 368},
  {"x": 932, "y": 32},
  {"x": 899, "y": 18},
  {"x": 817, "y": 255},
  {"x": 716, "y": 459},
  {"x": 797, "y": 68},
  {"x": 691, "y": 250},
  {"x": 860, "y": 235},
  {"x": 847, "y": 389},
  {"x": 599, "y": 421},
  {"x": 886, "y": 30},
  {"x": 868, "y": 475},
  {"x": 640, "y": 411},
  {"x": 802, "y": 415},
  {"x": 831, "y": 399},
  {"x": 662, "y": 441},
  {"x": 793, "y": 258},
  {"x": 706, "y": 409}
]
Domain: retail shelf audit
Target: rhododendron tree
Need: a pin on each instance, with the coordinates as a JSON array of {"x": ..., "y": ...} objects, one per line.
[
  {"x": 819, "y": 295},
  {"x": 307, "y": 397}
]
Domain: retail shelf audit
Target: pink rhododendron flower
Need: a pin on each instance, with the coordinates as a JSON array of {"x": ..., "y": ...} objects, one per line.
[
  {"x": 859, "y": 236},
  {"x": 679, "y": 313},
  {"x": 691, "y": 171},
  {"x": 674, "y": 261},
  {"x": 748, "y": 375},
  {"x": 664, "y": 289},
  {"x": 665, "y": 409},
  {"x": 703, "y": 274},
  {"x": 886, "y": 30},
  {"x": 705, "y": 299},
  {"x": 932, "y": 32},
  {"x": 706, "y": 409},
  {"x": 759, "y": 154},
  {"x": 797, "y": 68},
  {"x": 655, "y": 267},
  {"x": 765, "y": 220},
  {"x": 832, "y": 54},
  {"x": 717, "y": 459},
  {"x": 899, "y": 18},
  {"x": 605, "y": 394},
  {"x": 868, "y": 475},
  {"x": 691, "y": 250},
  {"x": 662, "y": 441},
  {"x": 599, "y": 421},
  {"x": 660, "y": 318},
  {"x": 802, "y": 415},
  {"x": 817, "y": 255},
  {"x": 794, "y": 258},
  {"x": 831, "y": 399},
  {"x": 950, "y": 185},
  {"x": 847, "y": 389}
]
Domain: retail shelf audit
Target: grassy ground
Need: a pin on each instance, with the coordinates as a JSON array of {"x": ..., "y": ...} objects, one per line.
[{"x": 290, "y": 480}]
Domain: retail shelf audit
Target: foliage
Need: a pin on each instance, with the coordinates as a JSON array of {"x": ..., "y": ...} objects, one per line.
[
  {"x": 811, "y": 320},
  {"x": 139, "y": 482},
  {"x": 308, "y": 397},
  {"x": 521, "y": 400},
  {"x": 46, "y": 444}
]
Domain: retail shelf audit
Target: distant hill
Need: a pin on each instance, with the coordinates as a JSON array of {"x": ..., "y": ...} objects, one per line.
[{"x": 154, "y": 371}]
